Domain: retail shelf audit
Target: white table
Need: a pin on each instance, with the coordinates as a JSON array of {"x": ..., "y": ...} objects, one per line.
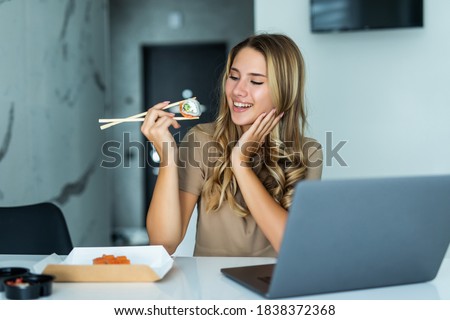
[{"x": 200, "y": 278}]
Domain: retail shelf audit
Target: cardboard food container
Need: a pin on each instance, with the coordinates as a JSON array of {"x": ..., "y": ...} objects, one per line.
[{"x": 147, "y": 264}]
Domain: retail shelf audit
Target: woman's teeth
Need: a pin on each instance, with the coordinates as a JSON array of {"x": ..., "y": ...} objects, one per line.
[{"x": 242, "y": 105}]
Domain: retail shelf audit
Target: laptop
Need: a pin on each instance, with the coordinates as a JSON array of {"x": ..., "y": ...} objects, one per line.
[{"x": 357, "y": 234}]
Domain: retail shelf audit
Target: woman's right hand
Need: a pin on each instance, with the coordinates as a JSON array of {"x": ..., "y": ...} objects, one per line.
[{"x": 156, "y": 129}]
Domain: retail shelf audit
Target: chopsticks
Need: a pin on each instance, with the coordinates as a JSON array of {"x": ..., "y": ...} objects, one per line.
[
  {"x": 120, "y": 120},
  {"x": 139, "y": 117}
]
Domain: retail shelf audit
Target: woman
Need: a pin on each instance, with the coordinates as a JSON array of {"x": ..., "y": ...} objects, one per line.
[{"x": 241, "y": 169}]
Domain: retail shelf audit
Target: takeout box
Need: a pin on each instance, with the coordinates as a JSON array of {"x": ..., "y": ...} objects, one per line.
[{"x": 148, "y": 263}]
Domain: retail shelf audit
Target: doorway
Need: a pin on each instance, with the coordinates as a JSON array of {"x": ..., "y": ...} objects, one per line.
[{"x": 176, "y": 72}]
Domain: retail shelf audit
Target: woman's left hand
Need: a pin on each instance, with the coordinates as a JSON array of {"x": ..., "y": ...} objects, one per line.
[{"x": 250, "y": 142}]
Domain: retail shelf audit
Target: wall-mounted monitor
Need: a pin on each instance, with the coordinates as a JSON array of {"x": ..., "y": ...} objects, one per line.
[{"x": 353, "y": 15}]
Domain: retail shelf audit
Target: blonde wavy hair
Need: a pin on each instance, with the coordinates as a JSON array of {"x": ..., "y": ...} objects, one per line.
[{"x": 281, "y": 154}]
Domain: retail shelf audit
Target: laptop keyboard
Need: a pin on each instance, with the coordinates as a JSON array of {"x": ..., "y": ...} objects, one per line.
[{"x": 265, "y": 279}]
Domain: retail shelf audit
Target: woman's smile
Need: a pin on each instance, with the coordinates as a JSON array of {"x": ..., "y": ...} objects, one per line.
[{"x": 247, "y": 88}]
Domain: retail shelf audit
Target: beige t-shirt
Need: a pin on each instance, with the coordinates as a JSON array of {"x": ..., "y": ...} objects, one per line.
[{"x": 224, "y": 233}]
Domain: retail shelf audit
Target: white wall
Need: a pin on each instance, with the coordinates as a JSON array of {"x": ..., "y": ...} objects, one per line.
[
  {"x": 386, "y": 92},
  {"x": 53, "y": 88}
]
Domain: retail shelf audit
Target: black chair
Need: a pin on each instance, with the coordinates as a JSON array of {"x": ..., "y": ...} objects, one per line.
[{"x": 34, "y": 229}]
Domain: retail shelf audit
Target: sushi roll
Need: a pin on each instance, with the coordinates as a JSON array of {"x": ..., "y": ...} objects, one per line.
[{"x": 190, "y": 108}]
